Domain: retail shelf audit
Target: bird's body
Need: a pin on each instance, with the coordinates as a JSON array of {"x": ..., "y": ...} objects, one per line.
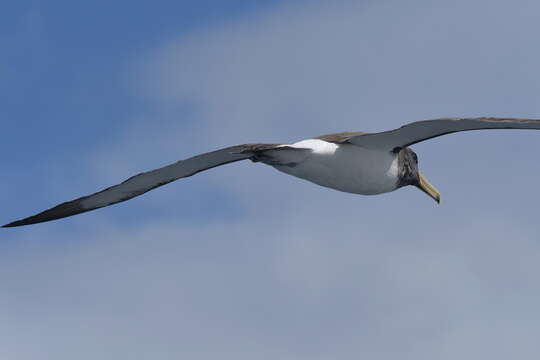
[
  {"x": 353, "y": 162},
  {"x": 344, "y": 167}
]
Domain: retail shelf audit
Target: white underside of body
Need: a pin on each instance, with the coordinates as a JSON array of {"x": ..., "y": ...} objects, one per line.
[{"x": 345, "y": 167}]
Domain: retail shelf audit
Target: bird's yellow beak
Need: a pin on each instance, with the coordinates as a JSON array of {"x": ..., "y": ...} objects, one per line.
[{"x": 429, "y": 189}]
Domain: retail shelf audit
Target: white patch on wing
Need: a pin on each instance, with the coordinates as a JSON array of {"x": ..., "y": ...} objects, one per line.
[{"x": 317, "y": 146}]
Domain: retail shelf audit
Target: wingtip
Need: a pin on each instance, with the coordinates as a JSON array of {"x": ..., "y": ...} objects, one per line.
[
  {"x": 12, "y": 224},
  {"x": 22, "y": 222}
]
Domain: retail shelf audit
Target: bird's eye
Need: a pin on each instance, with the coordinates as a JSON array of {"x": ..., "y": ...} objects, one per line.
[{"x": 415, "y": 158}]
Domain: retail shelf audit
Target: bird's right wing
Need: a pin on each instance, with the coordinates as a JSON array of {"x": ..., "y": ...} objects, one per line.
[
  {"x": 415, "y": 132},
  {"x": 141, "y": 183}
]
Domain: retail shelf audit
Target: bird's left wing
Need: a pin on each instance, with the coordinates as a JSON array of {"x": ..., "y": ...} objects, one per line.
[
  {"x": 423, "y": 130},
  {"x": 141, "y": 183}
]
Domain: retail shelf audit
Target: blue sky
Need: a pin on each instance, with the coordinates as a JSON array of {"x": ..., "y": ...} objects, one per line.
[{"x": 243, "y": 262}]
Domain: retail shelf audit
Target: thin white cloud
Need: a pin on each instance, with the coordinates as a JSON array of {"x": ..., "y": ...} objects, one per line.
[{"x": 239, "y": 289}]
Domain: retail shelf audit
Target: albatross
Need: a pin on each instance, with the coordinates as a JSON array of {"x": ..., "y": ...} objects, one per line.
[{"x": 353, "y": 162}]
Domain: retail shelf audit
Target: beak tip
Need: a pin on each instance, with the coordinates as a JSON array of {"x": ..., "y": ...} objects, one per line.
[{"x": 429, "y": 189}]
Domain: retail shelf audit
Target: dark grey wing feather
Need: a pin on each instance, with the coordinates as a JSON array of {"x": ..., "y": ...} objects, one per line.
[
  {"x": 340, "y": 138},
  {"x": 423, "y": 130},
  {"x": 141, "y": 183}
]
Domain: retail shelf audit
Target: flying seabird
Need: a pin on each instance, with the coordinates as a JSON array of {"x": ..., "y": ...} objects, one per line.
[{"x": 354, "y": 162}]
